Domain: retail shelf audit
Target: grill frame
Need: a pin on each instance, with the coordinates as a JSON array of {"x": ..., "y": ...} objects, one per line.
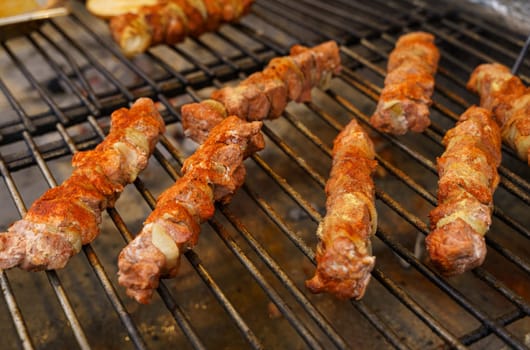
[{"x": 183, "y": 83}]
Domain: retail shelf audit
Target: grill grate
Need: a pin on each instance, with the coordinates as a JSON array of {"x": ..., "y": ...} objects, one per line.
[{"x": 243, "y": 284}]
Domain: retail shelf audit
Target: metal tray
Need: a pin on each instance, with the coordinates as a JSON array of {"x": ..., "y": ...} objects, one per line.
[{"x": 23, "y": 21}]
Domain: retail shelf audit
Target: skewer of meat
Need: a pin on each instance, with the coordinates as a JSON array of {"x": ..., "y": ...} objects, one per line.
[
  {"x": 68, "y": 216},
  {"x": 171, "y": 21},
  {"x": 344, "y": 253},
  {"x": 213, "y": 173},
  {"x": 405, "y": 99},
  {"x": 509, "y": 99},
  {"x": 468, "y": 179},
  {"x": 265, "y": 94}
]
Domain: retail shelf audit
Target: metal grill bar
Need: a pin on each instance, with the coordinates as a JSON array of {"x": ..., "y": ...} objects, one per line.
[
  {"x": 294, "y": 12},
  {"x": 315, "y": 216},
  {"x": 397, "y": 291},
  {"x": 100, "y": 271},
  {"x": 448, "y": 337},
  {"x": 391, "y": 286},
  {"x": 326, "y": 327},
  {"x": 133, "y": 332},
  {"x": 28, "y": 125},
  {"x": 430, "y": 166},
  {"x": 337, "y": 339},
  {"x": 497, "y": 47},
  {"x": 305, "y": 12},
  {"x": 87, "y": 88},
  {"x": 453, "y": 41},
  {"x": 506, "y": 183},
  {"x": 304, "y": 332},
  {"x": 490, "y": 30},
  {"x": 483, "y": 331},
  {"x": 52, "y": 275},
  {"x": 14, "y": 310},
  {"x": 223, "y": 300},
  {"x": 374, "y": 91},
  {"x": 521, "y": 56},
  {"x": 422, "y": 227},
  {"x": 94, "y": 63},
  {"x": 519, "y": 302},
  {"x": 414, "y": 220},
  {"x": 202, "y": 272},
  {"x": 380, "y": 71},
  {"x": 230, "y": 309},
  {"x": 274, "y": 266},
  {"x": 53, "y": 106},
  {"x": 163, "y": 291},
  {"x": 523, "y": 265},
  {"x": 78, "y": 93},
  {"x": 491, "y": 324},
  {"x": 389, "y": 334},
  {"x": 171, "y": 304},
  {"x": 194, "y": 258},
  {"x": 117, "y": 53}
]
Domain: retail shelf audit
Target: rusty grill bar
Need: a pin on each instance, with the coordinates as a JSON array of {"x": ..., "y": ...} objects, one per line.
[{"x": 66, "y": 77}]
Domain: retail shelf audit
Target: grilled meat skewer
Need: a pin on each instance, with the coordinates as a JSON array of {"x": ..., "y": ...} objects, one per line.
[
  {"x": 344, "y": 253},
  {"x": 213, "y": 173},
  {"x": 171, "y": 21},
  {"x": 468, "y": 179},
  {"x": 265, "y": 94},
  {"x": 509, "y": 99},
  {"x": 68, "y": 216},
  {"x": 405, "y": 99}
]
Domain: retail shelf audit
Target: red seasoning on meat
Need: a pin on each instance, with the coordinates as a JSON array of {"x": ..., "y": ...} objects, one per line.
[
  {"x": 68, "y": 216},
  {"x": 216, "y": 171},
  {"x": 213, "y": 173},
  {"x": 405, "y": 99},
  {"x": 344, "y": 253},
  {"x": 171, "y": 21},
  {"x": 468, "y": 179},
  {"x": 265, "y": 94},
  {"x": 509, "y": 99}
]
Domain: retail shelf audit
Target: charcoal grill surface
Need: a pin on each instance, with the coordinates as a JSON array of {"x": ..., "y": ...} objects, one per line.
[{"x": 243, "y": 285}]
